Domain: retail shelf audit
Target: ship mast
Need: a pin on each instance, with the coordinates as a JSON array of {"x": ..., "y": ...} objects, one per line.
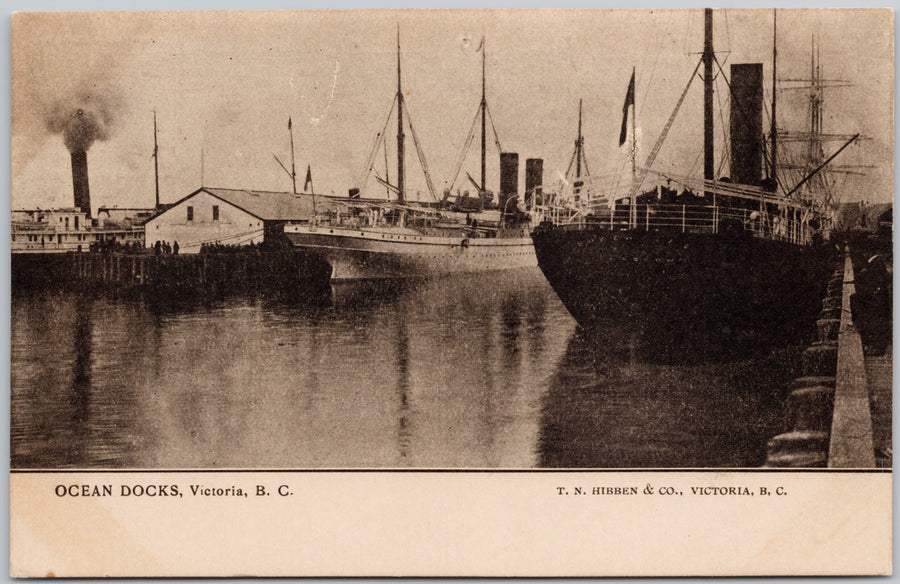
[
  {"x": 632, "y": 212},
  {"x": 774, "y": 131},
  {"x": 483, "y": 119},
  {"x": 633, "y": 140},
  {"x": 293, "y": 171},
  {"x": 816, "y": 188},
  {"x": 400, "y": 176},
  {"x": 578, "y": 157},
  {"x": 293, "y": 159},
  {"x": 156, "y": 159},
  {"x": 708, "y": 57},
  {"x": 815, "y": 106},
  {"x": 579, "y": 143},
  {"x": 482, "y": 112}
]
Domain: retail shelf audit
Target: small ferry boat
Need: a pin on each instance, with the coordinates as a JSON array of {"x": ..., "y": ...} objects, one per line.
[{"x": 52, "y": 231}]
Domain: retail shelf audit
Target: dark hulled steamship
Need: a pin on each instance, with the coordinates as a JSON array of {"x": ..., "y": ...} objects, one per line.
[{"x": 739, "y": 258}]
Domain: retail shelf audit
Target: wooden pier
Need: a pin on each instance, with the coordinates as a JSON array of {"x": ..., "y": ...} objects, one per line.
[
  {"x": 851, "y": 444},
  {"x": 839, "y": 411},
  {"x": 241, "y": 270}
]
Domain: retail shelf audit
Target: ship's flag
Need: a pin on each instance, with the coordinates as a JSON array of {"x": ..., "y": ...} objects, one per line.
[
  {"x": 629, "y": 101},
  {"x": 289, "y": 123},
  {"x": 480, "y": 45},
  {"x": 307, "y": 186}
]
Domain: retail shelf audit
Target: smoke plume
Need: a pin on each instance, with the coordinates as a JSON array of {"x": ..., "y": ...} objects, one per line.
[{"x": 82, "y": 118}]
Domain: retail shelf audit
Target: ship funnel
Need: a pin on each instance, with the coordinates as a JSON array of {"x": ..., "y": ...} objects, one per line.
[
  {"x": 509, "y": 177},
  {"x": 534, "y": 178},
  {"x": 80, "y": 181},
  {"x": 746, "y": 123}
]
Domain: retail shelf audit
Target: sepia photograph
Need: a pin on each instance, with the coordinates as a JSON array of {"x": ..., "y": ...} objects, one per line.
[{"x": 256, "y": 253}]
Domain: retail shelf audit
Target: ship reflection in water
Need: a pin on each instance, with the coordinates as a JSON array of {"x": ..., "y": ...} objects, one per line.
[
  {"x": 609, "y": 406},
  {"x": 478, "y": 371}
]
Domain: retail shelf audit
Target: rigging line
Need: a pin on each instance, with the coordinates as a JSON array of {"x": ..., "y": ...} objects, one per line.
[
  {"x": 464, "y": 151},
  {"x": 693, "y": 166},
  {"x": 252, "y": 234},
  {"x": 242, "y": 241},
  {"x": 387, "y": 172},
  {"x": 380, "y": 142},
  {"x": 622, "y": 168},
  {"x": 468, "y": 145},
  {"x": 249, "y": 237},
  {"x": 649, "y": 83},
  {"x": 586, "y": 172},
  {"x": 726, "y": 148},
  {"x": 461, "y": 159},
  {"x": 745, "y": 115},
  {"x": 691, "y": 43},
  {"x": 651, "y": 158},
  {"x": 494, "y": 128},
  {"x": 374, "y": 151},
  {"x": 363, "y": 179},
  {"x": 571, "y": 162},
  {"x": 769, "y": 154},
  {"x": 727, "y": 32},
  {"x": 821, "y": 166},
  {"x": 420, "y": 153}
]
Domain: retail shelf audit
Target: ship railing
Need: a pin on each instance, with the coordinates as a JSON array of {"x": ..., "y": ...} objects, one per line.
[{"x": 788, "y": 226}]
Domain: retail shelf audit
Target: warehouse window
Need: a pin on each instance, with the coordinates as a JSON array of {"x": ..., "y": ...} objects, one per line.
[
  {"x": 190, "y": 213},
  {"x": 215, "y": 212}
]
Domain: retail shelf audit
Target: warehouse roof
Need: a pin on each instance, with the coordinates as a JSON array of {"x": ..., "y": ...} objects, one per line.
[{"x": 265, "y": 205}]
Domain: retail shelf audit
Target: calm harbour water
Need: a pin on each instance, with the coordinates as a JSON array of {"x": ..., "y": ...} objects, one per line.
[{"x": 483, "y": 371}]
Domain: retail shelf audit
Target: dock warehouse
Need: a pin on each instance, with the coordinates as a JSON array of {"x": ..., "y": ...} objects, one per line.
[{"x": 229, "y": 217}]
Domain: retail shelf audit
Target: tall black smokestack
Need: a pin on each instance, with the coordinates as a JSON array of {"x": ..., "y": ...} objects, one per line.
[
  {"x": 82, "y": 118},
  {"x": 80, "y": 181},
  {"x": 534, "y": 178},
  {"x": 746, "y": 123},
  {"x": 509, "y": 178}
]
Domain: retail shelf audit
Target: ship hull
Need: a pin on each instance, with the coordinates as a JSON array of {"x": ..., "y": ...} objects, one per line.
[
  {"x": 685, "y": 285},
  {"x": 376, "y": 254}
]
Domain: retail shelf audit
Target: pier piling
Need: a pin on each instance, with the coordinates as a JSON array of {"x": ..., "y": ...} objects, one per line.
[
  {"x": 237, "y": 270},
  {"x": 828, "y": 410}
]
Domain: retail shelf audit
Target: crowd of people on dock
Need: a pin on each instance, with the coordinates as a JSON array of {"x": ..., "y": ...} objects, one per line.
[
  {"x": 164, "y": 248},
  {"x": 113, "y": 246},
  {"x": 223, "y": 248}
]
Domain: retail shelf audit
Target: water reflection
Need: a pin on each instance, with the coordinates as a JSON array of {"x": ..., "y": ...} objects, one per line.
[
  {"x": 63, "y": 398},
  {"x": 81, "y": 368},
  {"x": 442, "y": 373},
  {"x": 403, "y": 430},
  {"x": 607, "y": 407},
  {"x": 480, "y": 371}
]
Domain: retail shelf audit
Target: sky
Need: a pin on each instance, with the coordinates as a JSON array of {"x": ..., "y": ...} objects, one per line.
[{"x": 224, "y": 84}]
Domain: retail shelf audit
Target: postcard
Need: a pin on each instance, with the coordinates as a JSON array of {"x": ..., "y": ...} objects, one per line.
[{"x": 493, "y": 292}]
